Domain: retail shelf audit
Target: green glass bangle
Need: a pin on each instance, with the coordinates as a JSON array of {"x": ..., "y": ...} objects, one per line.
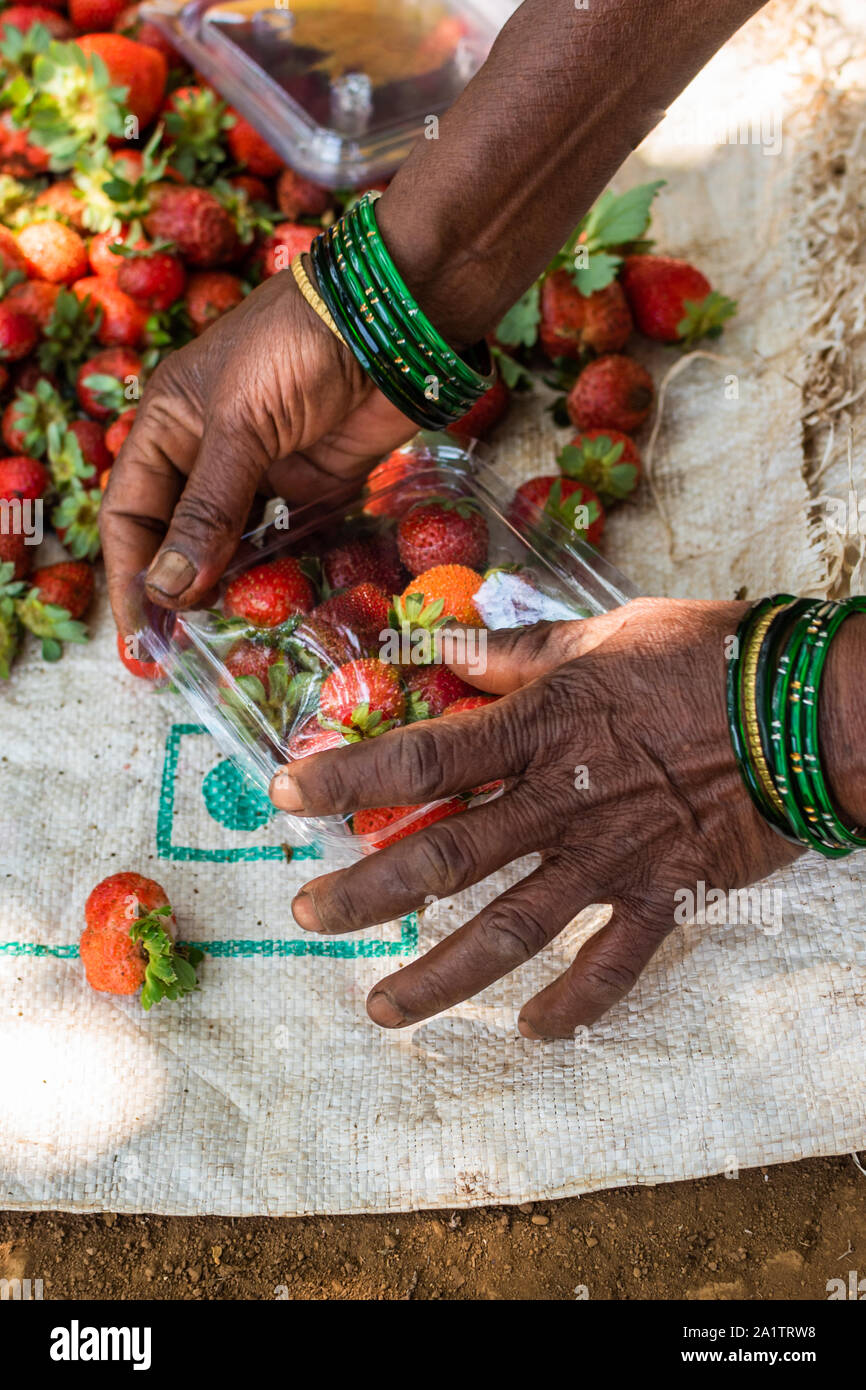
[
  {"x": 799, "y": 699},
  {"x": 834, "y": 826}
]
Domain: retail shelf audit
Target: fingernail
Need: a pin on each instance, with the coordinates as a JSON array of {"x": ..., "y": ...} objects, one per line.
[
  {"x": 170, "y": 573},
  {"x": 305, "y": 914},
  {"x": 383, "y": 1012},
  {"x": 527, "y": 1030},
  {"x": 285, "y": 792}
]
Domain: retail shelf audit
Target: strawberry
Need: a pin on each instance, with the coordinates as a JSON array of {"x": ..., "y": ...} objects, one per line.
[
  {"x": 93, "y": 385},
  {"x": 90, "y": 16},
  {"x": 138, "y": 68},
  {"x": 130, "y": 23},
  {"x": 393, "y": 469},
  {"x": 64, "y": 199},
  {"x": 194, "y": 219},
  {"x": 14, "y": 550},
  {"x": 91, "y": 442},
  {"x": 673, "y": 302},
  {"x": 362, "y": 609},
  {"x": 266, "y": 595},
  {"x": 209, "y": 295},
  {"x": 487, "y": 411},
  {"x": 122, "y": 321},
  {"x": 439, "y": 594},
  {"x": 372, "y": 559},
  {"x": 443, "y": 531},
  {"x": 251, "y": 151},
  {"x": 432, "y": 689},
  {"x": 76, "y": 521},
  {"x": 22, "y": 477},
  {"x": 137, "y": 665},
  {"x": 470, "y": 702},
  {"x": 53, "y": 252},
  {"x": 11, "y": 255},
  {"x": 318, "y": 644},
  {"x": 298, "y": 197},
  {"x": 287, "y": 240},
  {"x": 362, "y": 699},
  {"x": 611, "y": 393},
  {"x": 312, "y": 738},
  {"x": 156, "y": 280},
  {"x": 560, "y": 499},
  {"x": 105, "y": 262},
  {"x": 116, "y": 434},
  {"x": 59, "y": 595},
  {"x": 128, "y": 942},
  {"x": 26, "y": 419},
  {"x": 36, "y": 298},
  {"x": 18, "y": 333},
  {"x": 606, "y": 460},
  {"x": 256, "y": 190},
  {"x": 251, "y": 659},
  {"x": 197, "y": 122},
  {"x": 23, "y": 17},
  {"x": 20, "y": 154},
  {"x": 572, "y": 322},
  {"x": 373, "y": 822}
]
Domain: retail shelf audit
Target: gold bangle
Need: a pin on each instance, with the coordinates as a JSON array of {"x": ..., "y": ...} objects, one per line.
[
  {"x": 750, "y": 710},
  {"x": 315, "y": 301}
]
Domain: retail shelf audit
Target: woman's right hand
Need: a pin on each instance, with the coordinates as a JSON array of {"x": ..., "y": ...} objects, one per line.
[{"x": 266, "y": 399}]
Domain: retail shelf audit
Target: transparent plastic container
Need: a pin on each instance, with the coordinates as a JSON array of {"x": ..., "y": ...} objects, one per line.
[
  {"x": 340, "y": 88},
  {"x": 533, "y": 569}
]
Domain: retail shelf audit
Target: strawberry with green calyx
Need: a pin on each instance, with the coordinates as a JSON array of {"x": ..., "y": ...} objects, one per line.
[
  {"x": 443, "y": 531},
  {"x": 109, "y": 382},
  {"x": 606, "y": 460},
  {"x": 141, "y": 70},
  {"x": 412, "y": 615},
  {"x": 613, "y": 392},
  {"x": 439, "y": 594},
  {"x": 36, "y": 298},
  {"x": 574, "y": 324},
  {"x": 362, "y": 699},
  {"x": 128, "y": 941},
  {"x": 69, "y": 336},
  {"x": 431, "y": 690},
  {"x": 66, "y": 461},
  {"x": 59, "y": 595},
  {"x": 196, "y": 122},
  {"x": 10, "y": 629},
  {"x": 277, "y": 693},
  {"x": 74, "y": 105},
  {"x": 311, "y": 738},
  {"x": 164, "y": 333},
  {"x": 266, "y": 595},
  {"x": 116, "y": 188},
  {"x": 76, "y": 521},
  {"x": 68, "y": 584},
  {"x": 673, "y": 302},
  {"x": 122, "y": 320},
  {"x": 16, "y": 551},
  {"x": 251, "y": 218},
  {"x": 565, "y": 500},
  {"x": 14, "y": 195}
]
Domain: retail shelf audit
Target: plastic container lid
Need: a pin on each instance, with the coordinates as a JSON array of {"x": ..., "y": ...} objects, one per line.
[{"x": 341, "y": 89}]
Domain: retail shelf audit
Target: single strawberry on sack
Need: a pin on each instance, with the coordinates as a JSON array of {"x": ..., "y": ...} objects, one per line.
[{"x": 128, "y": 943}]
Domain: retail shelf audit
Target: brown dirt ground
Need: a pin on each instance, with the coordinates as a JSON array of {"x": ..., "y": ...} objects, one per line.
[{"x": 772, "y": 1233}]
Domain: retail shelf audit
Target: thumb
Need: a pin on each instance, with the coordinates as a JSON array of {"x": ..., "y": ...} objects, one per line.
[
  {"x": 504, "y": 660},
  {"x": 210, "y": 515}
]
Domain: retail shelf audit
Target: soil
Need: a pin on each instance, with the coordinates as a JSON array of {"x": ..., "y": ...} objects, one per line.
[{"x": 771, "y": 1233}]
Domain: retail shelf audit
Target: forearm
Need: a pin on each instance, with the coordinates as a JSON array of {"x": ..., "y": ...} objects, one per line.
[
  {"x": 474, "y": 216},
  {"x": 842, "y": 715}
]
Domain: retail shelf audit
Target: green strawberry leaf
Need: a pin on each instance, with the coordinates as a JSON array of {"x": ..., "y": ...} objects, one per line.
[
  {"x": 519, "y": 327},
  {"x": 169, "y": 973},
  {"x": 617, "y": 219},
  {"x": 705, "y": 318},
  {"x": 599, "y": 272}
]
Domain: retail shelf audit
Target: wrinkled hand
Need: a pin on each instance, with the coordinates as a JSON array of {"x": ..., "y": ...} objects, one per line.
[
  {"x": 266, "y": 399},
  {"x": 637, "y": 699}
]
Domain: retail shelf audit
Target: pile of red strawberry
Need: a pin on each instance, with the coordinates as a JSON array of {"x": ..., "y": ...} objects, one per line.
[{"x": 135, "y": 209}]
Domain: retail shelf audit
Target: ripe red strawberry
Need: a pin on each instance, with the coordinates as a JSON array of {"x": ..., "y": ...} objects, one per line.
[
  {"x": 606, "y": 460},
  {"x": 36, "y": 298},
  {"x": 116, "y": 434},
  {"x": 103, "y": 260},
  {"x": 611, "y": 393},
  {"x": 470, "y": 702},
  {"x": 155, "y": 280},
  {"x": 90, "y": 16},
  {"x": 209, "y": 295},
  {"x": 64, "y": 199},
  {"x": 432, "y": 689},
  {"x": 251, "y": 659},
  {"x": 487, "y": 411},
  {"x": 202, "y": 231},
  {"x": 673, "y": 302},
  {"x": 128, "y": 942},
  {"x": 312, "y": 738},
  {"x": 53, "y": 252},
  {"x": 91, "y": 441},
  {"x": 372, "y": 559},
  {"x": 443, "y": 531},
  {"x": 395, "y": 468},
  {"x": 135, "y": 66},
  {"x": 375, "y": 822},
  {"x": 121, "y": 363},
  {"x": 18, "y": 156},
  {"x": 22, "y": 477},
  {"x": 320, "y": 645},
  {"x": 18, "y": 333},
  {"x": 130, "y": 23},
  {"x": 362, "y": 609},
  {"x": 23, "y": 17},
  {"x": 572, "y": 322},
  {"x": 251, "y": 150},
  {"x": 362, "y": 699},
  {"x": 68, "y": 584},
  {"x": 298, "y": 197},
  {"x": 14, "y": 550},
  {"x": 140, "y": 666},
  {"x": 287, "y": 240},
  {"x": 11, "y": 255},
  {"x": 268, "y": 594},
  {"x": 123, "y": 320},
  {"x": 560, "y": 499}
]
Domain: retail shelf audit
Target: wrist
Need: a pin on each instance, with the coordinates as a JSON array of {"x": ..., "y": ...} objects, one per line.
[{"x": 842, "y": 719}]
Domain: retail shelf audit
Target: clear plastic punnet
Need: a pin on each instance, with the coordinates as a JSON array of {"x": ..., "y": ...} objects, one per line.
[
  {"x": 341, "y": 621},
  {"x": 341, "y": 89}
]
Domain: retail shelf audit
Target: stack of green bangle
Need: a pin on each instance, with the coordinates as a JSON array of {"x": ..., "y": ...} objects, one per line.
[
  {"x": 389, "y": 334},
  {"x": 774, "y": 687}
]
